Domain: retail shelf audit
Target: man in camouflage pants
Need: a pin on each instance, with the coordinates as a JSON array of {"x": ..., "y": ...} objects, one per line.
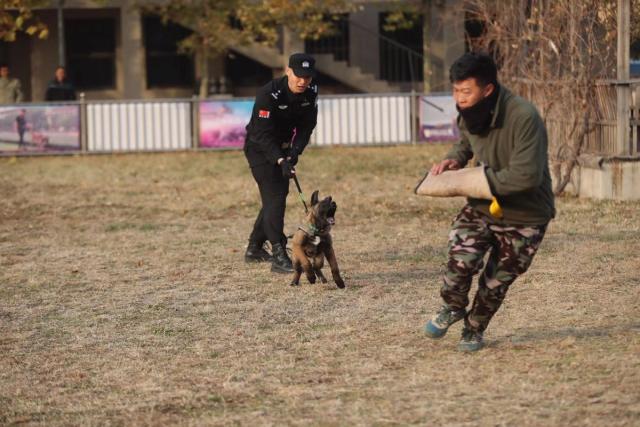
[{"x": 505, "y": 134}]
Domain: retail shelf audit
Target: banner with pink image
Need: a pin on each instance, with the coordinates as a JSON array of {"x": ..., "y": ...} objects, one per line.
[{"x": 222, "y": 123}]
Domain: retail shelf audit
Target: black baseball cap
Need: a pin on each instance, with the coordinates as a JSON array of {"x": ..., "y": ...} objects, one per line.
[{"x": 303, "y": 65}]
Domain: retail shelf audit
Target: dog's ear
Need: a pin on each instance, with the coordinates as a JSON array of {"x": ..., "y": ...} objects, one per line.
[{"x": 314, "y": 198}]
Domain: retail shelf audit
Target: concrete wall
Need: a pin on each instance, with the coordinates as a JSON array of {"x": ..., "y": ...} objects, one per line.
[
  {"x": 443, "y": 39},
  {"x": 443, "y": 42},
  {"x": 364, "y": 51},
  {"x": 609, "y": 178},
  {"x": 44, "y": 57}
]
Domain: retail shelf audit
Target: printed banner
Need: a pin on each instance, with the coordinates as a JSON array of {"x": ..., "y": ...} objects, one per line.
[
  {"x": 39, "y": 128},
  {"x": 438, "y": 118},
  {"x": 222, "y": 123}
]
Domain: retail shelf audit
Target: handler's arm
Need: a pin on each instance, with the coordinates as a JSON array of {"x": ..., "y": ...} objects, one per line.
[
  {"x": 305, "y": 128},
  {"x": 263, "y": 133},
  {"x": 526, "y": 165}
]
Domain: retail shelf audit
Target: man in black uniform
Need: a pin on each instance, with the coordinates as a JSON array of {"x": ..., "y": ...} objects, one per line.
[{"x": 283, "y": 117}]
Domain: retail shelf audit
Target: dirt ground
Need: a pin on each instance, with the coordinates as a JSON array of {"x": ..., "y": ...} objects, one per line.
[{"x": 125, "y": 300}]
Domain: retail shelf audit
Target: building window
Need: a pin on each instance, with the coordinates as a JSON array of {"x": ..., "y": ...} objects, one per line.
[
  {"x": 401, "y": 51},
  {"x": 337, "y": 43},
  {"x": 91, "y": 52},
  {"x": 166, "y": 67},
  {"x": 243, "y": 71}
]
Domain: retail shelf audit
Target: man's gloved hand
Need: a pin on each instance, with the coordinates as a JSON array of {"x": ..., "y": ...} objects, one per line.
[
  {"x": 293, "y": 157},
  {"x": 287, "y": 169}
]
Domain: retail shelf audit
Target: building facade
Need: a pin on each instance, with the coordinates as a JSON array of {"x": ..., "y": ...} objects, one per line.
[{"x": 112, "y": 51}]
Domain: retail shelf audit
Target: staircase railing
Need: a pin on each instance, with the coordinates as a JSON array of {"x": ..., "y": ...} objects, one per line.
[{"x": 397, "y": 63}]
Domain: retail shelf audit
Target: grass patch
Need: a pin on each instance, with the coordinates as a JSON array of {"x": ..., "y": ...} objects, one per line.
[{"x": 131, "y": 304}]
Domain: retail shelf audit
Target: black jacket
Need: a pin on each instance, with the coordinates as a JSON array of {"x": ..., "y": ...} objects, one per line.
[
  {"x": 277, "y": 115},
  {"x": 60, "y": 91}
]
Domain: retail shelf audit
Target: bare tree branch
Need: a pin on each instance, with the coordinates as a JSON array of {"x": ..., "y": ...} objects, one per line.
[{"x": 553, "y": 52}]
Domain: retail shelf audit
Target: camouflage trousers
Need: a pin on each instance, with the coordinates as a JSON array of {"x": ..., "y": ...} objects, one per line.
[{"x": 511, "y": 250}]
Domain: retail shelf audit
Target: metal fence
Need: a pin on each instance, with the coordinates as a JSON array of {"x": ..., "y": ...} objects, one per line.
[
  {"x": 601, "y": 139},
  {"x": 138, "y": 126},
  {"x": 635, "y": 119},
  {"x": 365, "y": 120},
  {"x": 172, "y": 125},
  {"x": 178, "y": 124}
]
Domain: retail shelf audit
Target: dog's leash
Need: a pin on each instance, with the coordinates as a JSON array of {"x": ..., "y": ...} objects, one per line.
[{"x": 300, "y": 195}]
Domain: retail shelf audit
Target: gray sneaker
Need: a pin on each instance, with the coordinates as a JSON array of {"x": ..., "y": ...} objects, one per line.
[
  {"x": 439, "y": 324},
  {"x": 471, "y": 341}
]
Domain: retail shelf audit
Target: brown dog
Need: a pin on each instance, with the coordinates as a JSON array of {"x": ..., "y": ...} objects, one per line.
[{"x": 312, "y": 243}]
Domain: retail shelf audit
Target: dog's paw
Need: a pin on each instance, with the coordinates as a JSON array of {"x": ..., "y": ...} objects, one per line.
[
  {"x": 311, "y": 278},
  {"x": 294, "y": 284},
  {"x": 340, "y": 283}
]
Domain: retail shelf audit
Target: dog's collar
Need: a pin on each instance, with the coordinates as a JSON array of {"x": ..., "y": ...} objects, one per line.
[{"x": 311, "y": 230}]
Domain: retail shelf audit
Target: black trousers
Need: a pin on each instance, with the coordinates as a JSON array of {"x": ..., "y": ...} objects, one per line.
[{"x": 273, "y": 188}]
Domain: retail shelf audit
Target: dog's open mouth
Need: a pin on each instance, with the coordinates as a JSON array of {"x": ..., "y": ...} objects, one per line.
[{"x": 331, "y": 220}]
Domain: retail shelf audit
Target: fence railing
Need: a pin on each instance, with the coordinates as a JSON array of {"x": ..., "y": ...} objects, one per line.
[
  {"x": 193, "y": 124},
  {"x": 364, "y": 120},
  {"x": 635, "y": 119},
  {"x": 139, "y": 126},
  {"x": 601, "y": 138},
  {"x": 186, "y": 124}
]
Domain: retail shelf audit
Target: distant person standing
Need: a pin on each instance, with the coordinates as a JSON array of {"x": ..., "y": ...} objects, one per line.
[
  {"x": 10, "y": 89},
  {"x": 60, "y": 88},
  {"x": 21, "y": 127}
]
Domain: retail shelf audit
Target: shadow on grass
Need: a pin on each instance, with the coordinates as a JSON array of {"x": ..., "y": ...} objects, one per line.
[
  {"x": 532, "y": 336},
  {"x": 422, "y": 254},
  {"x": 363, "y": 279}
]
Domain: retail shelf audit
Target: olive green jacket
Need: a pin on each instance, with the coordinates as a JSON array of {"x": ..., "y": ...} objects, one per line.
[
  {"x": 10, "y": 91},
  {"x": 514, "y": 152}
]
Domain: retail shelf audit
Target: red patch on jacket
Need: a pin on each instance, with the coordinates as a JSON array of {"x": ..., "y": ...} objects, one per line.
[{"x": 263, "y": 114}]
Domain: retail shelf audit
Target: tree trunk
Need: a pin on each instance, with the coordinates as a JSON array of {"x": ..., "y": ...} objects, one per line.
[
  {"x": 575, "y": 153},
  {"x": 204, "y": 74}
]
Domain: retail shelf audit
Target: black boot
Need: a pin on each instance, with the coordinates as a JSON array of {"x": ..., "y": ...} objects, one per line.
[
  {"x": 281, "y": 262},
  {"x": 256, "y": 253}
]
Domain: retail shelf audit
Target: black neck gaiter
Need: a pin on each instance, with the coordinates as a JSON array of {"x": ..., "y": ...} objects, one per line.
[{"x": 478, "y": 116}]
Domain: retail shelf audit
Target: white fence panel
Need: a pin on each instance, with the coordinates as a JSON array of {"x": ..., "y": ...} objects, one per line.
[
  {"x": 363, "y": 120},
  {"x": 138, "y": 126}
]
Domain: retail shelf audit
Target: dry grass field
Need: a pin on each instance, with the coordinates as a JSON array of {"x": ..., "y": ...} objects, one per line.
[{"x": 124, "y": 300}]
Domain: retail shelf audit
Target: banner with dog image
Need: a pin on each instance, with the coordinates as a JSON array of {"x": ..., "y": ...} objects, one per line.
[
  {"x": 438, "y": 118},
  {"x": 222, "y": 123},
  {"x": 39, "y": 128}
]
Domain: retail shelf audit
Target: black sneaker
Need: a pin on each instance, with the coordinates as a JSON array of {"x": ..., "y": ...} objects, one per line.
[
  {"x": 256, "y": 253},
  {"x": 281, "y": 263}
]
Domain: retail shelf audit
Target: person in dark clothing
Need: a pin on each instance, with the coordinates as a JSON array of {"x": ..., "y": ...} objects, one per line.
[
  {"x": 21, "y": 127},
  {"x": 284, "y": 116},
  {"x": 60, "y": 89}
]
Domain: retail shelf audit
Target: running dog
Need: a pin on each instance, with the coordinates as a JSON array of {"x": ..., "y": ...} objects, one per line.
[{"x": 312, "y": 243}]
